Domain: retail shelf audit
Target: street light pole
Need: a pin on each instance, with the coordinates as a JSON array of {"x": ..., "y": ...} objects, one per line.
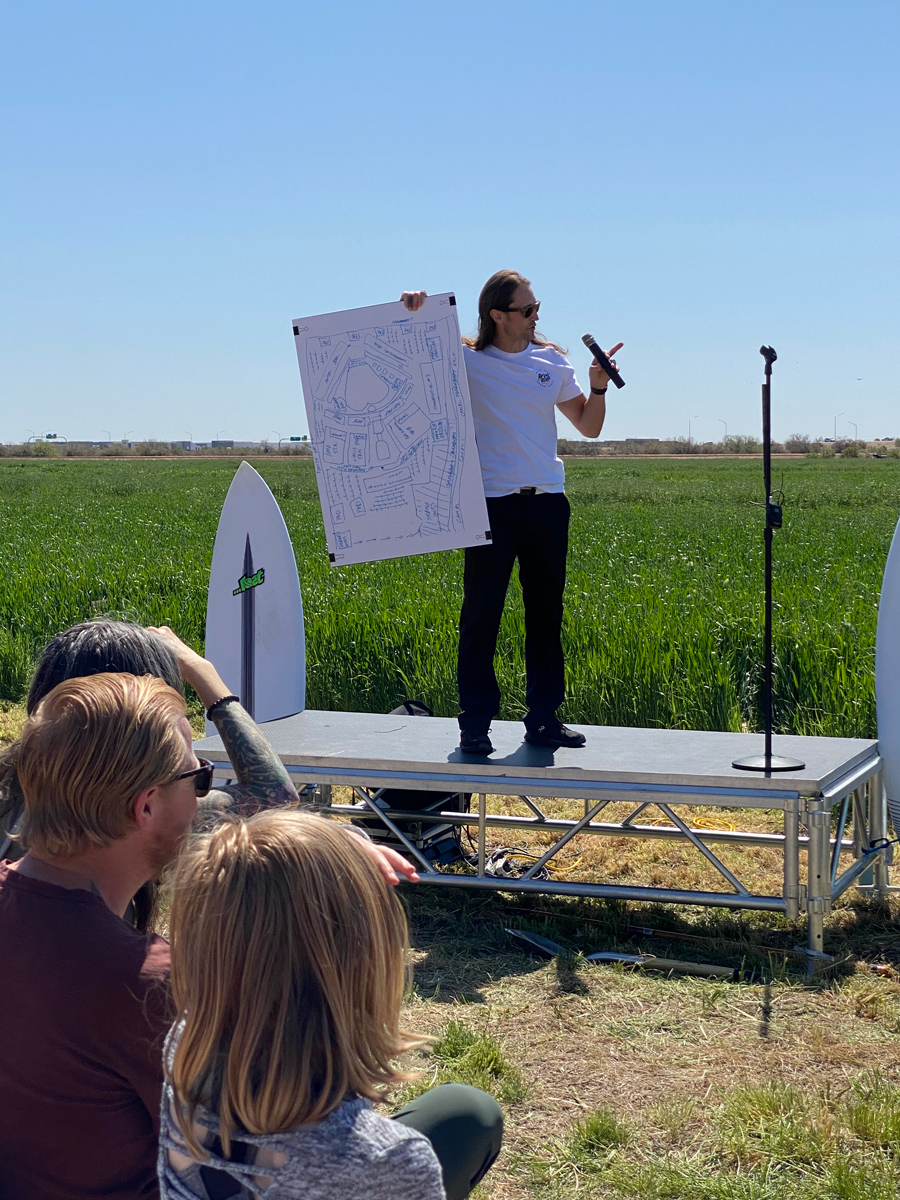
[
  {"x": 835, "y": 425},
  {"x": 855, "y": 430},
  {"x": 693, "y": 418},
  {"x": 725, "y": 423}
]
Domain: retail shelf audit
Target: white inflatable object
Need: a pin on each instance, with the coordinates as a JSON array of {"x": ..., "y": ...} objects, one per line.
[
  {"x": 887, "y": 679},
  {"x": 254, "y": 612}
]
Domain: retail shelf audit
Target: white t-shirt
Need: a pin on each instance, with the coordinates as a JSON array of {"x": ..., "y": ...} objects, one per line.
[{"x": 514, "y": 398}]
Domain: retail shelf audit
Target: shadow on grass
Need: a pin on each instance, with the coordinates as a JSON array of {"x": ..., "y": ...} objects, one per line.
[
  {"x": 464, "y": 943},
  {"x": 466, "y": 947}
]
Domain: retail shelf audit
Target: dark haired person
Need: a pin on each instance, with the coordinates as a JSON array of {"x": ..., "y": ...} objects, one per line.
[{"x": 517, "y": 379}]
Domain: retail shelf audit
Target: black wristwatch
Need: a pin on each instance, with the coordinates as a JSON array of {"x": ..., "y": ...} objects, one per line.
[{"x": 599, "y": 391}]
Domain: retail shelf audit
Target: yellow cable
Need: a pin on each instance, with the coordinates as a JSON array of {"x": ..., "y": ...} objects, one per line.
[
  {"x": 697, "y": 823},
  {"x": 534, "y": 857},
  {"x": 709, "y": 823}
]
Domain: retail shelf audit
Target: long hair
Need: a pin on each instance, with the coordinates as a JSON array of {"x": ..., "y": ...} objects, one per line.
[
  {"x": 86, "y": 751},
  {"x": 98, "y": 646},
  {"x": 288, "y": 955},
  {"x": 497, "y": 293}
]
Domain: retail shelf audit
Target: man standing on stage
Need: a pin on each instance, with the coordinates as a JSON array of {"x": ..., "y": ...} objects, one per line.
[{"x": 516, "y": 380}]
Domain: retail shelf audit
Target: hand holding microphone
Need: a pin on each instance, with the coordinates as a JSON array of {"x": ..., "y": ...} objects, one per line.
[{"x": 606, "y": 361}]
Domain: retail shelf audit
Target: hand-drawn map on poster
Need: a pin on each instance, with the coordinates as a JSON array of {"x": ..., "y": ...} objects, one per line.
[{"x": 391, "y": 429}]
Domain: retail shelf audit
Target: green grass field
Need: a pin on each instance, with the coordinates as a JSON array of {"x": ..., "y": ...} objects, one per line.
[{"x": 664, "y": 602}]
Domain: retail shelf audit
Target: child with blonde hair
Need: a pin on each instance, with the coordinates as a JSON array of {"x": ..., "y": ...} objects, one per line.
[{"x": 288, "y": 956}]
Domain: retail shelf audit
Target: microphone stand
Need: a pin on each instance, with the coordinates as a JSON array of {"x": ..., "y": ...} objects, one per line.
[{"x": 767, "y": 761}]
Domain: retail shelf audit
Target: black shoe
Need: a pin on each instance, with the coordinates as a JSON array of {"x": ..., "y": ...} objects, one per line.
[
  {"x": 553, "y": 734},
  {"x": 473, "y": 741}
]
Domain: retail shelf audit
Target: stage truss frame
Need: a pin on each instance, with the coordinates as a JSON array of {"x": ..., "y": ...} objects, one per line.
[{"x": 846, "y": 816}]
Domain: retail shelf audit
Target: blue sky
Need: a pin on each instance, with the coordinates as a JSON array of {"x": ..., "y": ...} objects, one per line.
[{"x": 693, "y": 179}]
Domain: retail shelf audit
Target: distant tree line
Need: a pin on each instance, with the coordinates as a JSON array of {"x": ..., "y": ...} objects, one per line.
[
  {"x": 734, "y": 443},
  {"x": 148, "y": 449}
]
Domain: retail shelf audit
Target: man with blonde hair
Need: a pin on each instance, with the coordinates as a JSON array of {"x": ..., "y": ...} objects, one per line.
[{"x": 111, "y": 783}]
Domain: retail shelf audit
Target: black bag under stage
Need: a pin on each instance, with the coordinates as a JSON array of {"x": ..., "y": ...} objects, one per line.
[{"x": 437, "y": 840}]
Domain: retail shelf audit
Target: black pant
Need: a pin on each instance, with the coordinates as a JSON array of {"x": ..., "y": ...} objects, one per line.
[
  {"x": 535, "y": 530},
  {"x": 465, "y": 1128}
]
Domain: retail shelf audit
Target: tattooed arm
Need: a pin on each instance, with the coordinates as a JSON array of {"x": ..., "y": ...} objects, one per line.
[{"x": 262, "y": 781}]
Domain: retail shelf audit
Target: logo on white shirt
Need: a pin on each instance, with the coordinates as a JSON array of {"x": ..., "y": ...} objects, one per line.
[{"x": 544, "y": 378}]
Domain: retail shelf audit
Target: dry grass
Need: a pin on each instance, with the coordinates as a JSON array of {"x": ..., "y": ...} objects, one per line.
[{"x": 659, "y": 1054}]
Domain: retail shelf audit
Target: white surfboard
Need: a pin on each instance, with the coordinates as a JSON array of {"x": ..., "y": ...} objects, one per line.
[
  {"x": 887, "y": 679},
  {"x": 254, "y": 612}
]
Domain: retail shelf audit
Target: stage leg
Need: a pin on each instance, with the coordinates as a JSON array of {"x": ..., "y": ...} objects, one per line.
[
  {"x": 818, "y": 901},
  {"x": 482, "y": 813},
  {"x": 878, "y": 830},
  {"x": 323, "y": 800},
  {"x": 792, "y": 856}
]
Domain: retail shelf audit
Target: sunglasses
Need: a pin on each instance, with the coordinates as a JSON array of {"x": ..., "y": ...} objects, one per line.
[
  {"x": 527, "y": 310},
  {"x": 202, "y": 777}
]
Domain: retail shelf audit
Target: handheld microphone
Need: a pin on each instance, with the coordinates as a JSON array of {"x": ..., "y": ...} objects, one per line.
[{"x": 604, "y": 362}]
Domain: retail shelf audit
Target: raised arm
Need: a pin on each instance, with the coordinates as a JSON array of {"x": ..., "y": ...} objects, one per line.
[
  {"x": 262, "y": 781},
  {"x": 587, "y": 413}
]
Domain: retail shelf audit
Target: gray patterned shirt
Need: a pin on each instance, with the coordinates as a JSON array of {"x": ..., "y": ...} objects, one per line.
[{"x": 354, "y": 1153}]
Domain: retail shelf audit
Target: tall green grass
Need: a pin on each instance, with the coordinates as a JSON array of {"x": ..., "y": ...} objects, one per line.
[{"x": 663, "y": 609}]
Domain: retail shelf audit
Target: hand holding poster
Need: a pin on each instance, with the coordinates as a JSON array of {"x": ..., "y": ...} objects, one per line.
[{"x": 391, "y": 430}]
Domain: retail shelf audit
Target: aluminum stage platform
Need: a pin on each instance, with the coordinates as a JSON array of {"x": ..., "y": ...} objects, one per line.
[{"x": 835, "y": 806}]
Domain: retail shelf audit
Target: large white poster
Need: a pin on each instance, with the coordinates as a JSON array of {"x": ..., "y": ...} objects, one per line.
[{"x": 391, "y": 429}]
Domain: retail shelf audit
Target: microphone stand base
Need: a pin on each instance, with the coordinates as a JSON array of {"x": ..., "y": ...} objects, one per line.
[{"x": 763, "y": 762}]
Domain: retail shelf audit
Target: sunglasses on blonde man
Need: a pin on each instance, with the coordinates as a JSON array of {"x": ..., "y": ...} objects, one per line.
[{"x": 202, "y": 777}]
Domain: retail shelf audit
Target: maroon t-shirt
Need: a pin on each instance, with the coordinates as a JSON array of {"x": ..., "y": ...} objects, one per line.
[{"x": 83, "y": 1014}]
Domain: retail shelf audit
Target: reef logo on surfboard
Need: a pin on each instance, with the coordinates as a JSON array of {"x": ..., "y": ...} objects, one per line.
[{"x": 246, "y": 582}]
